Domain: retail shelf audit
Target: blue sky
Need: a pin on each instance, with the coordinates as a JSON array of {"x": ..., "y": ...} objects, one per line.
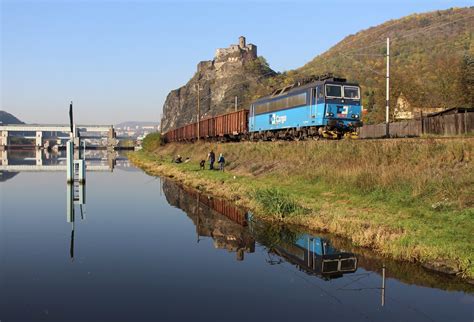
[{"x": 117, "y": 60}]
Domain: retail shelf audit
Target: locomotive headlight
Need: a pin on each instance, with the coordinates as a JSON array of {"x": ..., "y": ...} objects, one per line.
[{"x": 355, "y": 116}]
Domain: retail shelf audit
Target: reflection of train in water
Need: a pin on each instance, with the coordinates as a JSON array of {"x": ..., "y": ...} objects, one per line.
[
  {"x": 312, "y": 254},
  {"x": 213, "y": 217},
  {"x": 315, "y": 255},
  {"x": 234, "y": 229}
]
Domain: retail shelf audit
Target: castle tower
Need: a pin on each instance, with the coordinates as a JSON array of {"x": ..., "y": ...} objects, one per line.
[{"x": 242, "y": 42}]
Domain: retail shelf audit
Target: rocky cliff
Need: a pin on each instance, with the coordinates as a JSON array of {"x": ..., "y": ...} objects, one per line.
[{"x": 235, "y": 71}]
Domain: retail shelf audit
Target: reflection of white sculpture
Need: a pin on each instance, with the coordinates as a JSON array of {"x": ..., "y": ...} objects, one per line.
[
  {"x": 75, "y": 195},
  {"x": 39, "y": 157},
  {"x": 70, "y": 203},
  {"x": 4, "y": 157}
]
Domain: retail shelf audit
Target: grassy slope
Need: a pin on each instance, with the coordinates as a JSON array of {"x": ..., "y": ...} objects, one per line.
[{"x": 407, "y": 199}]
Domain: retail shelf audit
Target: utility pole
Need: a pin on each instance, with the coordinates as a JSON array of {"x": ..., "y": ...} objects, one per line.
[
  {"x": 198, "y": 111},
  {"x": 235, "y": 103},
  {"x": 387, "y": 109},
  {"x": 70, "y": 149},
  {"x": 161, "y": 123},
  {"x": 71, "y": 121},
  {"x": 383, "y": 285}
]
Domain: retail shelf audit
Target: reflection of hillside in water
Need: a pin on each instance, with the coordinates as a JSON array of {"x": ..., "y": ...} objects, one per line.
[
  {"x": 4, "y": 176},
  {"x": 214, "y": 218},
  {"x": 409, "y": 273},
  {"x": 323, "y": 255},
  {"x": 230, "y": 229}
]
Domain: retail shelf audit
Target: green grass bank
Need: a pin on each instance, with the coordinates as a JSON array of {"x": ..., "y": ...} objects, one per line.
[{"x": 408, "y": 199}]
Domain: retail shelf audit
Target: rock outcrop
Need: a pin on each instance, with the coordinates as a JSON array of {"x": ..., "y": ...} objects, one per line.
[{"x": 234, "y": 72}]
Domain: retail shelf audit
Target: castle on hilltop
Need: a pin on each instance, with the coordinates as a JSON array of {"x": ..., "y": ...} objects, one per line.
[
  {"x": 241, "y": 52},
  {"x": 236, "y": 52}
]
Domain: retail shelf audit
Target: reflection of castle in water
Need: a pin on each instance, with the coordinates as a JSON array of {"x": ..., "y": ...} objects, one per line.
[
  {"x": 231, "y": 229},
  {"x": 215, "y": 218}
]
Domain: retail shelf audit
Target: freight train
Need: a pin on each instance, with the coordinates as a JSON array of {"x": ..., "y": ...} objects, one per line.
[{"x": 323, "y": 106}]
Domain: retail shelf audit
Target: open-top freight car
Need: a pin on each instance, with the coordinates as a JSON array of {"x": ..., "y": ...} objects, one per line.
[{"x": 229, "y": 126}]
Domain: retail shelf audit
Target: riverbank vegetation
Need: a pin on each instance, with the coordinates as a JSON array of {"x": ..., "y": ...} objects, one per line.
[{"x": 409, "y": 199}]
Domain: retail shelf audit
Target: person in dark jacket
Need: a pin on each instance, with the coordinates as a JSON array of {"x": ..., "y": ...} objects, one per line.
[
  {"x": 221, "y": 162},
  {"x": 212, "y": 158}
]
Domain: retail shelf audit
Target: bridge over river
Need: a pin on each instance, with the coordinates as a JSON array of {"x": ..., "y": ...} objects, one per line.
[{"x": 41, "y": 135}]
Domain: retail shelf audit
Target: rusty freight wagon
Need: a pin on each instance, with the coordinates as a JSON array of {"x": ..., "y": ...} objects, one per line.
[
  {"x": 229, "y": 126},
  {"x": 232, "y": 125},
  {"x": 222, "y": 206},
  {"x": 207, "y": 128}
]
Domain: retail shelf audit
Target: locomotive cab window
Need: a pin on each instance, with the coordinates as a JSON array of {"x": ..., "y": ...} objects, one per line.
[
  {"x": 334, "y": 91},
  {"x": 351, "y": 92}
]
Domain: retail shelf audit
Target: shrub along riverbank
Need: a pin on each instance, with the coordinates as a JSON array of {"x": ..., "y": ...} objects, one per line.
[{"x": 408, "y": 199}]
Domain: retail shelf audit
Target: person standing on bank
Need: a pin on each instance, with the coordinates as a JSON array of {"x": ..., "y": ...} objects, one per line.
[
  {"x": 221, "y": 162},
  {"x": 212, "y": 158}
]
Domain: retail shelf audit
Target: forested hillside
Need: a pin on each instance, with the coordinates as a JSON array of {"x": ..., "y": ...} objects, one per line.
[
  {"x": 7, "y": 118},
  {"x": 432, "y": 61}
]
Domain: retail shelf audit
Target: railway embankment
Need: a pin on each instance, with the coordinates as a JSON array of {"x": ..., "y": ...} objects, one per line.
[{"x": 408, "y": 199}]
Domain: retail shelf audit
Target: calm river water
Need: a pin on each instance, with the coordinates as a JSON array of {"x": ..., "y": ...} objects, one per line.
[{"x": 130, "y": 247}]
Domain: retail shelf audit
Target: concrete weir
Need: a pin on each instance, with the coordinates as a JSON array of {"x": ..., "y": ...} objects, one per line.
[{"x": 41, "y": 134}]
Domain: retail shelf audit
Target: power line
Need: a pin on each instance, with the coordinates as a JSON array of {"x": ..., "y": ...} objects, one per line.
[
  {"x": 413, "y": 33},
  {"x": 351, "y": 52},
  {"x": 348, "y": 54},
  {"x": 364, "y": 65},
  {"x": 366, "y": 287},
  {"x": 424, "y": 30},
  {"x": 325, "y": 291},
  {"x": 367, "y": 35}
]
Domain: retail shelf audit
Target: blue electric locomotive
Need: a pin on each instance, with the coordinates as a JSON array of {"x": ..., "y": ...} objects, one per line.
[{"x": 323, "y": 106}]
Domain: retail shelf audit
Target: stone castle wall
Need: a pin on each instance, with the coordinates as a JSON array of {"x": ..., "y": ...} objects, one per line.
[
  {"x": 240, "y": 51},
  {"x": 232, "y": 54}
]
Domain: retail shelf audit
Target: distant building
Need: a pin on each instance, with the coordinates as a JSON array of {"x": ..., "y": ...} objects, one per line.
[{"x": 405, "y": 111}]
